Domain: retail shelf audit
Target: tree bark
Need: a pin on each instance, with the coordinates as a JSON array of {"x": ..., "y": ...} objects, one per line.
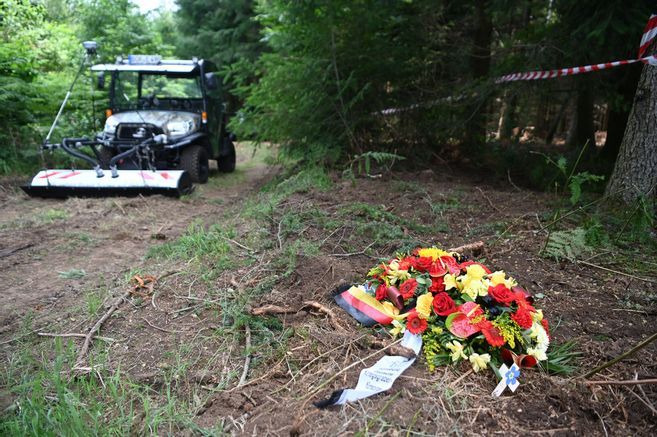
[
  {"x": 618, "y": 115},
  {"x": 583, "y": 122},
  {"x": 635, "y": 172},
  {"x": 480, "y": 66}
]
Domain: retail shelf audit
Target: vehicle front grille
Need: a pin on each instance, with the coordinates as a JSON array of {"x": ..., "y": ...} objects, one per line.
[{"x": 136, "y": 131}]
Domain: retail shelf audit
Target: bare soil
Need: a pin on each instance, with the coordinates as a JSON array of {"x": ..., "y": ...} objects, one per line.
[{"x": 178, "y": 332}]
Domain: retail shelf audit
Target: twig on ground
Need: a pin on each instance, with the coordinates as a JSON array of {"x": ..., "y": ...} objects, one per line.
[
  {"x": 247, "y": 352},
  {"x": 625, "y": 382},
  {"x": 118, "y": 205},
  {"x": 74, "y": 334},
  {"x": 460, "y": 378},
  {"x": 318, "y": 306},
  {"x": 508, "y": 176},
  {"x": 230, "y": 240},
  {"x": 7, "y": 252},
  {"x": 96, "y": 327},
  {"x": 476, "y": 248},
  {"x": 643, "y": 401},
  {"x": 622, "y": 356},
  {"x": 158, "y": 328},
  {"x": 278, "y": 235},
  {"x": 617, "y": 272},
  {"x": 272, "y": 309},
  {"x": 492, "y": 205},
  {"x": 362, "y": 252}
]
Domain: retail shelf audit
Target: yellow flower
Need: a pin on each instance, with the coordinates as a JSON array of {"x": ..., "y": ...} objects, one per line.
[
  {"x": 432, "y": 252},
  {"x": 497, "y": 278},
  {"x": 395, "y": 275},
  {"x": 398, "y": 328},
  {"x": 475, "y": 271},
  {"x": 537, "y": 316},
  {"x": 457, "y": 351},
  {"x": 424, "y": 305},
  {"x": 479, "y": 362},
  {"x": 473, "y": 287},
  {"x": 450, "y": 281}
]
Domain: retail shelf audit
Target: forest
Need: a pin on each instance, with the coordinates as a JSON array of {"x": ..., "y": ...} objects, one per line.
[{"x": 365, "y": 130}]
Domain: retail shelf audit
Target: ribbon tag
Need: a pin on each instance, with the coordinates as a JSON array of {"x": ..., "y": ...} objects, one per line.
[
  {"x": 379, "y": 377},
  {"x": 509, "y": 379}
]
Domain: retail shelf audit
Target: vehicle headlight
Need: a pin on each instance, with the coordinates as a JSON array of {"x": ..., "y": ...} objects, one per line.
[
  {"x": 180, "y": 127},
  {"x": 110, "y": 125}
]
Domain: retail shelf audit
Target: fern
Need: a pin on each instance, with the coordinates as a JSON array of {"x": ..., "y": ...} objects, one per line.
[
  {"x": 567, "y": 245},
  {"x": 384, "y": 159}
]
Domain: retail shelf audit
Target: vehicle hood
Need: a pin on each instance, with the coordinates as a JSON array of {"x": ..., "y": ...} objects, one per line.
[{"x": 171, "y": 122}]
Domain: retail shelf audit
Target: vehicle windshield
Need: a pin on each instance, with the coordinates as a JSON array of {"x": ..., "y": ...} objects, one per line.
[{"x": 128, "y": 95}]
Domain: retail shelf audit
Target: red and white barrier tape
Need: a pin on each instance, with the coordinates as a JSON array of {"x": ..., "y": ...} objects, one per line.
[
  {"x": 649, "y": 34},
  {"x": 551, "y": 74}
]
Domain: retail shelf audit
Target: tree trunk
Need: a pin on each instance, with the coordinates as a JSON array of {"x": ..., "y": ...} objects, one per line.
[
  {"x": 583, "y": 122},
  {"x": 635, "y": 172},
  {"x": 480, "y": 65},
  {"x": 618, "y": 115},
  {"x": 507, "y": 117}
]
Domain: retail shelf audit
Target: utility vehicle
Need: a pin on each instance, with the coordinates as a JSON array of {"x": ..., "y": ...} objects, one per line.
[{"x": 165, "y": 119}]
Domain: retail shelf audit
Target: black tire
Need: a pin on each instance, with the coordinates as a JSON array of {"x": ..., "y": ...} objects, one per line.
[
  {"x": 105, "y": 154},
  {"x": 194, "y": 159},
  {"x": 226, "y": 163}
]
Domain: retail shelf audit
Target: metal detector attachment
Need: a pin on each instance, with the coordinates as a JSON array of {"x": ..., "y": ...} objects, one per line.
[{"x": 87, "y": 183}]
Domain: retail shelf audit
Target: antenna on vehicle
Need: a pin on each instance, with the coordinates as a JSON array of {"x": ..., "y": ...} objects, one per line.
[{"x": 90, "y": 50}]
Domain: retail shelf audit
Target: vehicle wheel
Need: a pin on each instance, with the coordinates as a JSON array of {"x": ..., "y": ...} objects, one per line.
[
  {"x": 105, "y": 154},
  {"x": 194, "y": 159},
  {"x": 226, "y": 164}
]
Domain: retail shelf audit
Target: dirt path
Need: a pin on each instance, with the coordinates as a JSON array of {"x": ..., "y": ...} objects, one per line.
[
  {"x": 184, "y": 348},
  {"x": 53, "y": 251}
]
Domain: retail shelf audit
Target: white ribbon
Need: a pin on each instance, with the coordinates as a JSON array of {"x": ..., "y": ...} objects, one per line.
[{"x": 382, "y": 375}]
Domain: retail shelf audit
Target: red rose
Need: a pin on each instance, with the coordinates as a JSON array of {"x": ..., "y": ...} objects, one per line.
[
  {"x": 437, "y": 269},
  {"x": 415, "y": 324},
  {"x": 407, "y": 289},
  {"x": 451, "y": 264},
  {"x": 437, "y": 285},
  {"x": 502, "y": 294},
  {"x": 381, "y": 292},
  {"x": 523, "y": 318},
  {"x": 443, "y": 305},
  {"x": 423, "y": 263}
]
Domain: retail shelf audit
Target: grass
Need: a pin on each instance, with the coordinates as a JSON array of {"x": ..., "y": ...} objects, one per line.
[
  {"x": 48, "y": 402},
  {"x": 199, "y": 244},
  {"x": 73, "y": 274},
  {"x": 53, "y": 215}
]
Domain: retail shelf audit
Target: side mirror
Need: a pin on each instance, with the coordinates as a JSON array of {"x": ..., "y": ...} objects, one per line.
[
  {"x": 101, "y": 80},
  {"x": 211, "y": 81}
]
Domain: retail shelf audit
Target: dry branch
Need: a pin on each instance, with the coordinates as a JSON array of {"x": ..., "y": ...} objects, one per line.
[
  {"x": 272, "y": 309},
  {"x": 74, "y": 334},
  {"x": 96, "y": 327},
  {"x": 622, "y": 356},
  {"x": 626, "y": 382},
  {"x": 247, "y": 352},
  {"x": 318, "y": 306},
  {"x": 475, "y": 248},
  {"x": 275, "y": 309},
  {"x": 8, "y": 252}
]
